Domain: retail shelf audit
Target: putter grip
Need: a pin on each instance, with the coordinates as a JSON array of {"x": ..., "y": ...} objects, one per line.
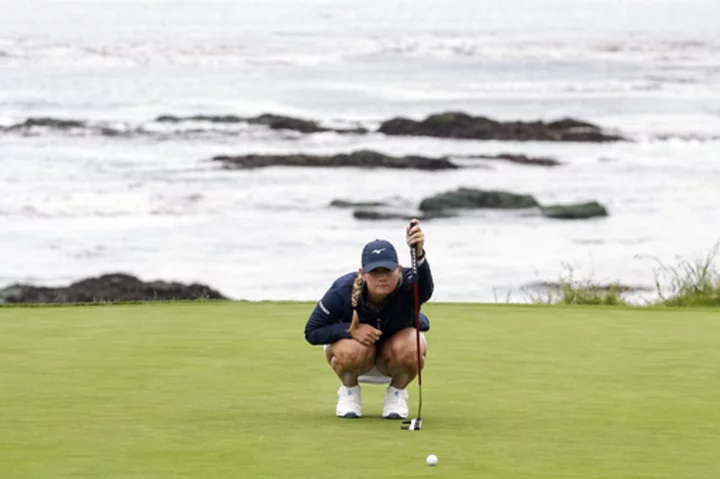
[{"x": 413, "y": 254}]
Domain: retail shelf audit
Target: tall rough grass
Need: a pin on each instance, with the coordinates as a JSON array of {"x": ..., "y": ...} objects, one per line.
[
  {"x": 690, "y": 283},
  {"x": 569, "y": 290}
]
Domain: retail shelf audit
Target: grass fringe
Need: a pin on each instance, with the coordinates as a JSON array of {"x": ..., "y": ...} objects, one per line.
[
  {"x": 688, "y": 283},
  {"x": 569, "y": 290}
]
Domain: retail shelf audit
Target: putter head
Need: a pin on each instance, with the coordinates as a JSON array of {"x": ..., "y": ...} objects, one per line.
[{"x": 413, "y": 424}]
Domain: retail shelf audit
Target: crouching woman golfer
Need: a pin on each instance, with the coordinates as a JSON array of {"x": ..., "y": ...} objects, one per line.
[{"x": 367, "y": 326}]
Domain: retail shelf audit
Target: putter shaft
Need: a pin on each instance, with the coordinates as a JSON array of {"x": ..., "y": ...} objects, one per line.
[{"x": 416, "y": 424}]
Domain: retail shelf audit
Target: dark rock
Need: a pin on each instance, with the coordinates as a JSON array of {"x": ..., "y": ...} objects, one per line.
[
  {"x": 358, "y": 159},
  {"x": 460, "y": 125},
  {"x": 108, "y": 288},
  {"x": 569, "y": 123},
  {"x": 466, "y": 198},
  {"x": 575, "y": 211},
  {"x": 356, "y": 204},
  {"x": 54, "y": 123},
  {"x": 207, "y": 118},
  {"x": 279, "y": 122},
  {"x": 274, "y": 122},
  {"x": 520, "y": 159},
  {"x": 394, "y": 215}
]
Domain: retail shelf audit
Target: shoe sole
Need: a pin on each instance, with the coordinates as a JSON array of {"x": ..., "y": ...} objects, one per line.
[
  {"x": 394, "y": 415},
  {"x": 349, "y": 415}
]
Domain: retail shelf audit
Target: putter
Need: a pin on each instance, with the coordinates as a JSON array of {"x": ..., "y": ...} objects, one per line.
[{"x": 415, "y": 424}]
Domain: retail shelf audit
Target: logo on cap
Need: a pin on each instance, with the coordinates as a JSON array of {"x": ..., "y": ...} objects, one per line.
[{"x": 379, "y": 254}]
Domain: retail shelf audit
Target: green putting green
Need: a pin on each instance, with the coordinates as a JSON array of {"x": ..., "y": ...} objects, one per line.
[{"x": 231, "y": 389}]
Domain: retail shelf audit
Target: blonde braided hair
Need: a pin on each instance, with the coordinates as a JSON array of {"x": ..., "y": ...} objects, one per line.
[{"x": 356, "y": 291}]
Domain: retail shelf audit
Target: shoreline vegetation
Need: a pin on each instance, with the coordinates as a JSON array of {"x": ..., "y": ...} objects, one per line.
[{"x": 688, "y": 283}]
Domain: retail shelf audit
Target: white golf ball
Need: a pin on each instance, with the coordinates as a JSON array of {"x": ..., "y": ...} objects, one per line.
[{"x": 432, "y": 460}]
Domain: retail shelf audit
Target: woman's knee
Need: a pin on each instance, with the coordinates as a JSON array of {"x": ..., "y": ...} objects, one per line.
[
  {"x": 348, "y": 354},
  {"x": 401, "y": 348}
]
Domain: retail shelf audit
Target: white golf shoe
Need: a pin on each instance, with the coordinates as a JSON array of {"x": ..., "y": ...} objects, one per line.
[
  {"x": 395, "y": 405},
  {"x": 349, "y": 403}
]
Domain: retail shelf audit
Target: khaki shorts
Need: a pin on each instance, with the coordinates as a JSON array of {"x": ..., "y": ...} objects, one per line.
[{"x": 374, "y": 376}]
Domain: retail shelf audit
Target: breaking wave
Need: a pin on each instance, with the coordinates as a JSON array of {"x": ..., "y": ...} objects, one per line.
[{"x": 307, "y": 51}]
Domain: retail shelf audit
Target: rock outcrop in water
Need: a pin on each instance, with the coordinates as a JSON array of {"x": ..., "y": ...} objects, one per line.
[
  {"x": 274, "y": 122},
  {"x": 471, "y": 198},
  {"x": 514, "y": 158},
  {"x": 357, "y": 204},
  {"x": 371, "y": 214},
  {"x": 357, "y": 159},
  {"x": 45, "y": 122},
  {"x": 74, "y": 127},
  {"x": 373, "y": 159},
  {"x": 576, "y": 211},
  {"x": 108, "y": 288},
  {"x": 452, "y": 203},
  {"x": 460, "y": 125},
  {"x": 106, "y": 128},
  {"x": 450, "y": 124}
]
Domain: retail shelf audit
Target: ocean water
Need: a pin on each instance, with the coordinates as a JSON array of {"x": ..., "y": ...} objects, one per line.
[{"x": 147, "y": 200}]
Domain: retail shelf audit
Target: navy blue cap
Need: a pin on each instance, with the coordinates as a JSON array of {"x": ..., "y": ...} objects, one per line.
[{"x": 379, "y": 254}]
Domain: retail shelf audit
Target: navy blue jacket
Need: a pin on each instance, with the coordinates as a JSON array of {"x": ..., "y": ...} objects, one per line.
[{"x": 330, "y": 320}]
